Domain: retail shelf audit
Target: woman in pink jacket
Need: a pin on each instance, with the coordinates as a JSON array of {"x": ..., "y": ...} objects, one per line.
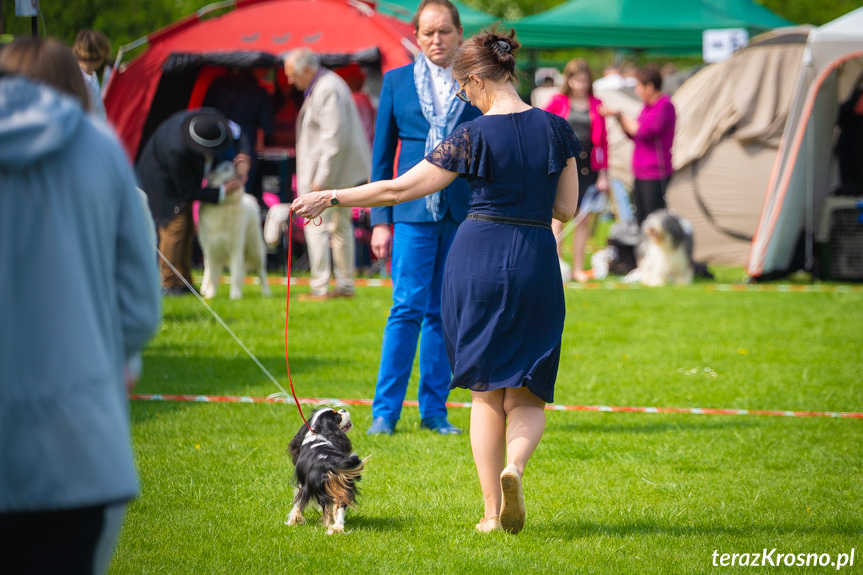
[
  {"x": 577, "y": 104},
  {"x": 652, "y": 134}
]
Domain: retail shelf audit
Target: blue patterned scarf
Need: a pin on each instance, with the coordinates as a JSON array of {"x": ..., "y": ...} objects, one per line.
[{"x": 440, "y": 125}]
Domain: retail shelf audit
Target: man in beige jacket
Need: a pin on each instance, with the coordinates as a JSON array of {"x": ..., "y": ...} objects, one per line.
[{"x": 332, "y": 153}]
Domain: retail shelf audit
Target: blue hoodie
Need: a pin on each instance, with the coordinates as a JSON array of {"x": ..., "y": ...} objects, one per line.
[{"x": 79, "y": 295}]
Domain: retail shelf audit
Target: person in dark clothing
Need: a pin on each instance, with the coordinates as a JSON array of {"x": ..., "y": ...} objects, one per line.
[
  {"x": 241, "y": 99},
  {"x": 172, "y": 171},
  {"x": 850, "y": 144}
]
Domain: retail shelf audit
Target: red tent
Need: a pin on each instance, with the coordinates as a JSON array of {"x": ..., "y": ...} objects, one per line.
[{"x": 163, "y": 79}]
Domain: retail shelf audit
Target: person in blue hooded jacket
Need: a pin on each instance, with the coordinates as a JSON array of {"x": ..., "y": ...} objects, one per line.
[{"x": 79, "y": 297}]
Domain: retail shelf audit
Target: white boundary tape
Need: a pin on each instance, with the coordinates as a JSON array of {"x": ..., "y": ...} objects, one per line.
[
  {"x": 606, "y": 285},
  {"x": 281, "y": 398}
]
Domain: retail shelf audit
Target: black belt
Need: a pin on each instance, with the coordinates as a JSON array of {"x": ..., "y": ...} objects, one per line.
[{"x": 511, "y": 221}]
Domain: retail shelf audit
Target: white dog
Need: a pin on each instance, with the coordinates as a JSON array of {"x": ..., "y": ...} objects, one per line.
[
  {"x": 230, "y": 237},
  {"x": 665, "y": 253}
]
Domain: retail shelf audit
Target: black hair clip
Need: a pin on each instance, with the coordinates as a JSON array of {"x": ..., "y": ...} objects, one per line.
[{"x": 501, "y": 47}]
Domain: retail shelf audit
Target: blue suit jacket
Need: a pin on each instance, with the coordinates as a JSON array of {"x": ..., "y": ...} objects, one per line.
[{"x": 400, "y": 117}]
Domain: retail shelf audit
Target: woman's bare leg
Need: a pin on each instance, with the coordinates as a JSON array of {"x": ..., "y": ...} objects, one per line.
[
  {"x": 488, "y": 443},
  {"x": 579, "y": 243},
  {"x": 526, "y": 415}
]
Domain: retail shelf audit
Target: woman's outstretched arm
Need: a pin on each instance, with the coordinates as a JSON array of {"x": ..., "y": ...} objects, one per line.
[{"x": 421, "y": 180}]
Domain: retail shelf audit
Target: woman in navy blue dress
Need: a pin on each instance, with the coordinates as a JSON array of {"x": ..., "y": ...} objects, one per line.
[{"x": 502, "y": 302}]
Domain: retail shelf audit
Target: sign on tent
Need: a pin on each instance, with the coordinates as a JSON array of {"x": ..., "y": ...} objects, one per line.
[{"x": 720, "y": 44}]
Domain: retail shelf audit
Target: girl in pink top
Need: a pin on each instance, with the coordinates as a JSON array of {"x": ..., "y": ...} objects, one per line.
[
  {"x": 576, "y": 103},
  {"x": 652, "y": 133}
]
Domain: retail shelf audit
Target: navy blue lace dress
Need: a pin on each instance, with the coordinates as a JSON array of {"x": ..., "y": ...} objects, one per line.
[{"x": 502, "y": 303}]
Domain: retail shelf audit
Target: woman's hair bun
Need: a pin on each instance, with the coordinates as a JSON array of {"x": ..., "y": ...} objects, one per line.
[
  {"x": 502, "y": 46},
  {"x": 489, "y": 54}
]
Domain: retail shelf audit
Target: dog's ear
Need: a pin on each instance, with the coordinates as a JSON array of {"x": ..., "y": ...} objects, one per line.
[
  {"x": 319, "y": 419},
  {"x": 328, "y": 426},
  {"x": 327, "y": 422}
]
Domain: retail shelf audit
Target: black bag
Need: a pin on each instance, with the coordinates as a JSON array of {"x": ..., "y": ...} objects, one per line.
[{"x": 623, "y": 237}]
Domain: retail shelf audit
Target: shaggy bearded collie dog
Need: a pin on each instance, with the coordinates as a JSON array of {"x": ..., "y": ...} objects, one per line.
[
  {"x": 326, "y": 470},
  {"x": 665, "y": 254}
]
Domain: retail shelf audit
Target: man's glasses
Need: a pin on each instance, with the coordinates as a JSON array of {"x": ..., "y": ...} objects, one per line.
[{"x": 460, "y": 93}]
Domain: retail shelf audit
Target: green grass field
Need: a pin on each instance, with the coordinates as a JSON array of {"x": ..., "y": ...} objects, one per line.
[{"x": 606, "y": 492}]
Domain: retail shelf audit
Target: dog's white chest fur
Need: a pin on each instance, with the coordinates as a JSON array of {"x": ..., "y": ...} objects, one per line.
[
  {"x": 231, "y": 238},
  {"x": 666, "y": 252},
  {"x": 661, "y": 265}
]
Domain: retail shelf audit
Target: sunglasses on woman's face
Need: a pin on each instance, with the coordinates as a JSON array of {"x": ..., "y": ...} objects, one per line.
[{"x": 460, "y": 93}]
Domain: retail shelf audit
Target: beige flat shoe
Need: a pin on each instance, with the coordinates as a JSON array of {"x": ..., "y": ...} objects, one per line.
[
  {"x": 512, "y": 511},
  {"x": 582, "y": 277},
  {"x": 488, "y": 524}
]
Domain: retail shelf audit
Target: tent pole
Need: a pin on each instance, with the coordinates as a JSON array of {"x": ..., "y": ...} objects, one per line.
[
  {"x": 215, "y": 6},
  {"x": 809, "y": 212}
]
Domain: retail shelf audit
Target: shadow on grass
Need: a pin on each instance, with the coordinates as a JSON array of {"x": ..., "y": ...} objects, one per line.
[
  {"x": 186, "y": 315},
  {"x": 356, "y": 522},
  {"x": 366, "y": 523},
  {"x": 146, "y": 410},
  {"x": 171, "y": 373},
  {"x": 696, "y": 423},
  {"x": 279, "y": 414},
  {"x": 587, "y": 529}
]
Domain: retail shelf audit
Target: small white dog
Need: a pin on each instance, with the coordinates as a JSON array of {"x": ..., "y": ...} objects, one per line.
[
  {"x": 665, "y": 253},
  {"x": 230, "y": 237}
]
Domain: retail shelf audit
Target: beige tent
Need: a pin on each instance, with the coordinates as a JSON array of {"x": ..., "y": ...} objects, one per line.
[
  {"x": 805, "y": 172},
  {"x": 730, "y": 118}
]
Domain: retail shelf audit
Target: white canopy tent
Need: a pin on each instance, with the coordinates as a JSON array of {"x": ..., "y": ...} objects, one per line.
[
  {"x": 805, "y": 172},
  {"x": 725, "y": 144}
]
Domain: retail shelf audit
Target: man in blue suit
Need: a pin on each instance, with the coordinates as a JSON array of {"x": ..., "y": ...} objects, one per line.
[{"x": 418, "y": 108}]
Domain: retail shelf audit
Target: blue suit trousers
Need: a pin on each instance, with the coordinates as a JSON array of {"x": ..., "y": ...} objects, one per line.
[{"x": 419, "y": 256}]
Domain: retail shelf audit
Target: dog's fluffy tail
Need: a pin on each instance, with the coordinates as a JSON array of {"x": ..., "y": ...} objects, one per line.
[{"x": 341, "y": 481}]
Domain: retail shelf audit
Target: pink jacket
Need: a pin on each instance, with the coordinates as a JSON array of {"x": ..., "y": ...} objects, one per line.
[
  {"x": 559, "y": 105},
  {"x": 651, "y": 157}
]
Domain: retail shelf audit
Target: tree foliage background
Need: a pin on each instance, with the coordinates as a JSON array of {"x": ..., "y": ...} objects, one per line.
[{"x": 126, "y": 20}]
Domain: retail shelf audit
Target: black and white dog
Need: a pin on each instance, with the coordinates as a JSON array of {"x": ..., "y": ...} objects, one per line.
[
  {"x": 326, "y": 469},
  {"x": 665, "y": 253}
]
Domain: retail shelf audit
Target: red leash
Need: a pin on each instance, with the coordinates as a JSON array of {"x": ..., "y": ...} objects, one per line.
[{"x": 287, "y": 309}]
